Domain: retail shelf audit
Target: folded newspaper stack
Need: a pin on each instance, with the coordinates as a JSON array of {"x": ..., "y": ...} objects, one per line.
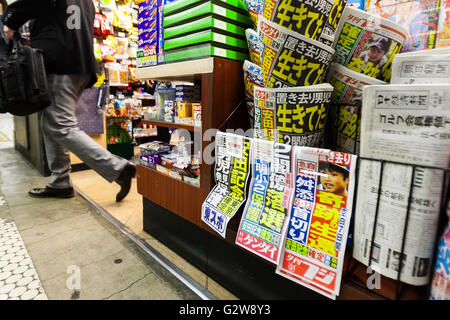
[
  {"x": 422, "y": 67},
  {"x": 406, "y": 129},
  {"x": 291, "y": 46}
]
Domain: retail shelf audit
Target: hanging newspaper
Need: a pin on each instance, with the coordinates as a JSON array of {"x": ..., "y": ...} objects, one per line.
[
  {"x": 348, "y": 84},
  {"x": 333, "y": 21},
  {"x": 232, "y": 170},
  {"x": 252, "y": 79},
  {"x": 306, "y": 17},
  {"x": 422, "y": 68},
  {"x": 291, "y": 59},
  {"x": 408, "y": 124},
  {"x": 367, "y": 44},
  {"x": 264, "y": 218},
  {"x": 255, "y": 8},
  {"x": 294, "y": 116},
  {"x": 253, "y": 46},
  {"x": 345, "y": 111},
  {"x": 316, "y": 237}
]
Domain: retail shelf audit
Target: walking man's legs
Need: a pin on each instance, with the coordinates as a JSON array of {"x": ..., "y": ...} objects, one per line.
[{"x": 62, "y": 134}]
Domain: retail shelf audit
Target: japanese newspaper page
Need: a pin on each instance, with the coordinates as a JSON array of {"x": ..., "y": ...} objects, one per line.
[
  {"x": 422, "y": 68},
  {"x": 307, "y": 17},
  {"x": 252, "y": 78},
  {"x": 406, "y": 124},
  {"x": 232, "y": 170},
  {"x": 419, "y": 17},
  {"x": 294, "y": 116},
  {"x": 348, "y": 84},
  {"x": 264, "y": 218},
  {"x": 314, "y": 245},
  {"x": 255, "y": 8},
  {"x": 367, "y": 44},
  {"x": 289, "y": 58},
  {"x": 345, "y": 110}
]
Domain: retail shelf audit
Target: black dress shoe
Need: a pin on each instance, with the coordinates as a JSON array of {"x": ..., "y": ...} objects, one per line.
[
  {"x": 48, "y": 192},
  {"x": 124, "y": 180}
]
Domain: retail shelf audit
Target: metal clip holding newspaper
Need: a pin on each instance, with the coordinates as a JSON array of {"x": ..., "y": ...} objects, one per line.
[{"x": 403, "y": 172}]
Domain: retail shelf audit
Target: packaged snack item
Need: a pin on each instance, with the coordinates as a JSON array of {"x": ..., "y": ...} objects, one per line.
[
  {"x": 108, "y": 5},
  {"x": 169, "y": 111},
  {"x": 197, "y": 113},
  {"x": 107, "y": 25},
  {"x": 98, "y": 24},
  {"x": 123, "y": 74},
  {"x": 121, "y": 48},
  {"x": 122, "y": 18},
  {"x": 113, "y": 73},
  {"x": 97, "y": 51},
  {"x": 107, "y": 53}
]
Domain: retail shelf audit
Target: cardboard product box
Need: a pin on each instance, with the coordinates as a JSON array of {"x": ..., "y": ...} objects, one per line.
[
  {"x": 212, "y": 22},
  {"x": 147, "y": 26},
  {"x": 207, "y": 36},
  {"x": 204, "y": 51},
  {"x": 160, "y": 29},
  {"x": 147, "y": 39},
  {"x": 184, "y": 109},
  {"x": 197, "y": 113},
  {"x": 183, "y": 5},
  {"x": 147, "y": 12},
  {"x": 146, "y": 56},
  {"x": 211, "y": 7}
]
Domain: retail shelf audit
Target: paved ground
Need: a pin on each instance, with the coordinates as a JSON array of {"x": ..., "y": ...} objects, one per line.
[{"x": 70, "y": 246}]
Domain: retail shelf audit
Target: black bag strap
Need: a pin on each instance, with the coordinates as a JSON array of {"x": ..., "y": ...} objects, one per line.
[{"x": 16, "y": 42}]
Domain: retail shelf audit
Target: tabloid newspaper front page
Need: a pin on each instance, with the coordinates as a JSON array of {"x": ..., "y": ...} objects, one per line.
[
  {"x": 264, "y": 219},
  {"x": 294, "y": 116},
  {"x": 314, "y": 245},
  {"x": 290, "y": 59},
  {"x": 406, "y": 124},
  {"x": 232, "y": 171},
  {"x": 358, "y": 33}
]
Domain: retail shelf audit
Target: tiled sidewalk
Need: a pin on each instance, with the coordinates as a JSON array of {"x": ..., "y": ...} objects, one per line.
[{"x": 76, "y": 253}]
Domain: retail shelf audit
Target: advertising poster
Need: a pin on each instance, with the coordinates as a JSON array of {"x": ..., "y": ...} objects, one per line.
[
  {"x": 289, "y": 58},
  {"x": 367, "y": 44},
  {"x": 316, "y": 237},
  {"x": 232, "y": 171},
  {"x": 419, "y": 17},
  {"x": 294, "y": 116},
  {"x": 264, "y": 218},
  {"x": 443, "y": 35}
]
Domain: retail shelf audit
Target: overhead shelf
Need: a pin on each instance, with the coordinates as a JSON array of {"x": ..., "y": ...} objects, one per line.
[{"x": 185, "y": 70}]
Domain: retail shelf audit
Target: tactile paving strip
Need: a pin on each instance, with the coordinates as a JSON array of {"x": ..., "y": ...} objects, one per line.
[{"x": 18, "y": 277}]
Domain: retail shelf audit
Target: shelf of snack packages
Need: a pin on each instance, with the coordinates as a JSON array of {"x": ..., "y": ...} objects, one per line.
[{"x": 306, "y": 86}]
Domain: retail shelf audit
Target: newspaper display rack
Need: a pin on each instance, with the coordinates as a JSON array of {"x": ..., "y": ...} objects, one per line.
[{"x": 352, "y": 265}]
